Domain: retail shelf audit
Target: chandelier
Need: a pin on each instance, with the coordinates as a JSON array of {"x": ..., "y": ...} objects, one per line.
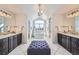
[{"x": 40, "y": 10}]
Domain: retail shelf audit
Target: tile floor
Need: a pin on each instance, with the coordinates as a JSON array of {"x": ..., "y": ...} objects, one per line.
[{"x": 56, "y": 49}]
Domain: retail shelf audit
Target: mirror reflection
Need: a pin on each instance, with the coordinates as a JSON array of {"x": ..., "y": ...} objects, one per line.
[
  {"x": 69, "y": 25},
  {"x": 2, "y": 24}
]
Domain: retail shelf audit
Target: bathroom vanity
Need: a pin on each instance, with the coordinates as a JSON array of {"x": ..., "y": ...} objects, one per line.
[
  {"x": 9, "y": 42},
  {"x": 70, "y": 42}
]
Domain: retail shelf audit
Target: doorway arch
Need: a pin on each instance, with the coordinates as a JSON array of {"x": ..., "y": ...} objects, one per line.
[{"x": 39, "y": 28}]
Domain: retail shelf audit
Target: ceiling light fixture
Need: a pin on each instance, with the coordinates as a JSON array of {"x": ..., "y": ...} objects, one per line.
[{"x": 40, "y": 10}]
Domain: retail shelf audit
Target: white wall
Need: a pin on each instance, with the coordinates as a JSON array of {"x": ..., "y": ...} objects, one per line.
[
  {"x": 56, "y": 21},
  {"x": 22, "y": 21}
]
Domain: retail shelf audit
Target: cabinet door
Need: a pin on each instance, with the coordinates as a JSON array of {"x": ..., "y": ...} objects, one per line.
[
  {"x": 10, "y": 41},
  {"x": 64, "y": 41},
  {"x": 60, "y": 39},
  {"x": 75, "y": 46},
  {"x": 5, "y": 46},
  {"x": 1, "y": 46},
  {"x": 15, "y": 41},
  {"x": 68, "y": 47},
  {"x": 19, "y": 39}
]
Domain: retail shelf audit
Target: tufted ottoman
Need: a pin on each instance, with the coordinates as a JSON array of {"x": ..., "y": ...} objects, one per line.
[{"x": 38, "y": 48}]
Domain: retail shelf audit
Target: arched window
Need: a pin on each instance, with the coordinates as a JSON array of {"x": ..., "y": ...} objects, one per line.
[{"x": 39, "y": 24}]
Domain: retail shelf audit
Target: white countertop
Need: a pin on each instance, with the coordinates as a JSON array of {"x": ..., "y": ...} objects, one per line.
[
  {"x": 8, "y": 35},
  {"x": 69, "y": 34}
]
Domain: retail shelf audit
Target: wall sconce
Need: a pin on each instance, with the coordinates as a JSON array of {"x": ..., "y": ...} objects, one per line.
[
  {"x": 5, "y": 14},
  {"x": 73, "y": 14}
]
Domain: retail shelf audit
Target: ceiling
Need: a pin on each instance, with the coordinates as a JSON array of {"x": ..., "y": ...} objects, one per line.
[{"x": 29, "y": 9}]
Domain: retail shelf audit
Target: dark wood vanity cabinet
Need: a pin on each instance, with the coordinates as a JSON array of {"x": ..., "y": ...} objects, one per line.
[
  {"x": 4, "y": 46},
  {"x": 69, "y": 43},
  {"x": 9, "y": 43},
  {"x": 64, "y": 41},
  {"x": 75, "y": 46},
  {"x": 59, "y": 39},
  {"x": 19, "y": 39},
  {"x": 15, "y": 41}
]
